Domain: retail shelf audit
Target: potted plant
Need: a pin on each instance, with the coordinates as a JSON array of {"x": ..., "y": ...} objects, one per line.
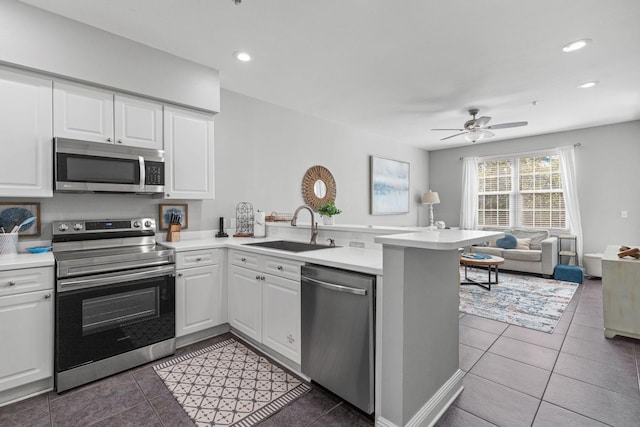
[{"x": 327, "y": 211}]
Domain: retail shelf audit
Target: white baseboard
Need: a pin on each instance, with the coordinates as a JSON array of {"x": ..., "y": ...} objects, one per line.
[{"x": 431, "y": 412}]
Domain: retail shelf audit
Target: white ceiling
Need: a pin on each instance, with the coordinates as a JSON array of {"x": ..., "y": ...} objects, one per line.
[{"x": 398, "y": 68}]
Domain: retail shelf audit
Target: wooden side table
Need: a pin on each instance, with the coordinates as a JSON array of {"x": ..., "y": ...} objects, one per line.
[{"x": 469, "y": 259}]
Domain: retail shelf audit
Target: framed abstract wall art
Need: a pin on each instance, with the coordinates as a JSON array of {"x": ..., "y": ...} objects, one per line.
[{"x": 389, "y": 186}]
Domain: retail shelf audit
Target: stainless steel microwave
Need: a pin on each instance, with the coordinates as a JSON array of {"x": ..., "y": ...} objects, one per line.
[{"x": 83, "y": 166}]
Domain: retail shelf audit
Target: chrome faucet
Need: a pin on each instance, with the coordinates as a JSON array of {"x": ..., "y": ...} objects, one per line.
[{"x": 314, "y": 224}]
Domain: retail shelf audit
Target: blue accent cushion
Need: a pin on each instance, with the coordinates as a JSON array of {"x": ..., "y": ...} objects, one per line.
[
  {"x": 568, "y": 273},
  {"x": 509, "y": 241}
]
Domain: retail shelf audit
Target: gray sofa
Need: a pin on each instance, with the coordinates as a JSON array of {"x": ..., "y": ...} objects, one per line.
[{"x": 541, "y": 257}]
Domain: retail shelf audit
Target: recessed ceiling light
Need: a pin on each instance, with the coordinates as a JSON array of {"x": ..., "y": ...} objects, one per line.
[
  {"x": 242, "y": 56},
  {"x": 576, "y": 45},
  {"x": 587, "y": 85}
]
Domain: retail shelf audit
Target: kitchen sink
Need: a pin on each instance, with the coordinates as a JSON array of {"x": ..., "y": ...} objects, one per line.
[{"x": 286, "y": 245}]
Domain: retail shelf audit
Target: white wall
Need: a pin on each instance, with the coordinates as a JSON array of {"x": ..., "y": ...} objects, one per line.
[
  {"x": 606, "y": 164},
  {"x": 261, "y": 154}
]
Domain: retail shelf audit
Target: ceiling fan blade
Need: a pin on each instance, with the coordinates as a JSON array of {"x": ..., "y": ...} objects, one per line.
[
  {"x": 457, "y": 134},
  {"x": 508, "y": 125},
  {"x": 488, "y": 134},
  {"x": 482, "y": 121},
  {"x": 459, "y": 130}
]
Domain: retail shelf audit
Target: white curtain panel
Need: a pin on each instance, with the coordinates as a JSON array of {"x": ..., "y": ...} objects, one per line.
[
  {"x": 469, "y": 205},
  {"x": 570, "y": 189}
]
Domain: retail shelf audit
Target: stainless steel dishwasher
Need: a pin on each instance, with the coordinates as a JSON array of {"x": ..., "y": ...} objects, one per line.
[{"x": 338, "y": 318}]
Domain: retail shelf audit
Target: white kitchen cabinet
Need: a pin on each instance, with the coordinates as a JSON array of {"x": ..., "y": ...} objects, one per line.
[
  {"x": 91, "y": 114},
  {"x": 81, "y": 112},
  {"x": 264, "y": 300},
  {"x": 188, "y": 144},
  {"x": 245, "y": 301},
  {"x": 26, "y": 326},
  {"x": 281, "y": 317},
  {"x": 138, "y": 123},
  {"x": 25, "y": 108},
  {"x": 198, "y": 291}
]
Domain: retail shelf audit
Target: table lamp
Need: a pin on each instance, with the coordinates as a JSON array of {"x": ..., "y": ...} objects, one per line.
[{"x": 431, "y": 198}]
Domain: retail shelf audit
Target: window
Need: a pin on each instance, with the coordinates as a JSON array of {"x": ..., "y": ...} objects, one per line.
[{"x": 521, "y": 192}]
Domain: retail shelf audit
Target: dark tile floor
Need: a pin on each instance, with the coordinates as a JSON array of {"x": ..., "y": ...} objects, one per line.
[{"x": 514, "y": 377}]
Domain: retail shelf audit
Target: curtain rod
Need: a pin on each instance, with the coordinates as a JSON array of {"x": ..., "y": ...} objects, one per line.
[{"x": 576, "y": 145}]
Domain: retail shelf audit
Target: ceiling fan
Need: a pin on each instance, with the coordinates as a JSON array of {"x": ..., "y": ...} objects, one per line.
[{"x": 477, "y": 129}]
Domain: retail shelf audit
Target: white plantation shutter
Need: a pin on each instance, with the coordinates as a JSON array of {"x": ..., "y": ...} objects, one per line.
[{"x": 521, "y": 191}]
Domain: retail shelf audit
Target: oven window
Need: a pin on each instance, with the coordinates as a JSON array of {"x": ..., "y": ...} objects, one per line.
[
  {"x": 116, "y": 310},
  {"x": 101, "y": 170}
]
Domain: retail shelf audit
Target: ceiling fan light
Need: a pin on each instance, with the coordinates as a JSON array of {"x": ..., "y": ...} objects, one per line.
[
  {"x": 575, "y": 45},
  {"x": 474, "y": 136}
]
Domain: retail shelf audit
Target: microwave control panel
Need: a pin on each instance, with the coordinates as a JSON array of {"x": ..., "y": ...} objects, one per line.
[{"x": 154, "y": 173}]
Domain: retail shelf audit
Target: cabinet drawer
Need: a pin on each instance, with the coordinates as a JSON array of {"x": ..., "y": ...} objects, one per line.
[
  {"x": 196, "y": 258},
  {"x": 26, "y": 280},
  {"x": 245, "y": 259},
  {"x": 282, "y": 267}
]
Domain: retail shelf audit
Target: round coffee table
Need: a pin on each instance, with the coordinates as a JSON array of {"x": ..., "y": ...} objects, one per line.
[{"x": 470, "y": 259}]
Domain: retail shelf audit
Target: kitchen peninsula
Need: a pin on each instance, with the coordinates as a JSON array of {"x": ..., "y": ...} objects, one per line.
[{"x": 418, "y": 374}]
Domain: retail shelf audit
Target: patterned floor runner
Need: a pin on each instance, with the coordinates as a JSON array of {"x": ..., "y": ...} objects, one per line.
[
  {"x": 227, "y": 384},
  {"x": 528, "y": 301}
]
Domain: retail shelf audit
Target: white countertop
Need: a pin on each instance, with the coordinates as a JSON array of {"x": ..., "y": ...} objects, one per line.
[
  {"x": 439, "y": 239},
  {"x": 26, "y": 260},
  {"x": 357, "y": 259}
]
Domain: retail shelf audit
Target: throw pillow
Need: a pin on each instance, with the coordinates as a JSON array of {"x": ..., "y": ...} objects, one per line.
[
  {"x": 523, "y": 244},
  {"x": 507, "y": 242}
]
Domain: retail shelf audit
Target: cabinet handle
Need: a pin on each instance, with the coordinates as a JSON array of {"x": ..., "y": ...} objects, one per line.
[
  {"x": 199, "y": 258},
  {"x": 168, "y": 195},
  {"x": 119, "y": 141},
  {"x": 47, "y": 296},
  {"x": 280, "y": 267},
  {"x": 243, "y": 259},
  {"x": 179, "y": 274},
  {"x": 12, "y": 283},
  {"x": 262, "y": 278},
  {"x": 257, "y": 277},
  {"x": 108, "y": 139}
]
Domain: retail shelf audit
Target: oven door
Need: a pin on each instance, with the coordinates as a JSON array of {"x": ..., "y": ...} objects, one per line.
[{"x": 103, "y": 315}]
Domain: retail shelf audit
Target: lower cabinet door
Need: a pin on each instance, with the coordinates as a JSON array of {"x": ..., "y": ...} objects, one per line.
[
  {"x": 197, "y": 299},
  {"x": 245, "y": 301},
  {"x": 281, "y": 316},
  {"x": 26, "y": 336}
]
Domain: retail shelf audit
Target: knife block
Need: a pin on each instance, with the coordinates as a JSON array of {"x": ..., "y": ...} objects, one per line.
[{"x": 173, "y": 233}]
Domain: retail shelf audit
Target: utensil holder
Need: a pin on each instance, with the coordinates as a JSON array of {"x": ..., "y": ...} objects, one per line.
[
  {"x": 173, "y": 234},
  {"x": 8, "y": 243}
]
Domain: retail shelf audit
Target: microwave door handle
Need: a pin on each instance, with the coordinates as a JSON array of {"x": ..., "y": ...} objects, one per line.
[{"x": 143, "y": 172}]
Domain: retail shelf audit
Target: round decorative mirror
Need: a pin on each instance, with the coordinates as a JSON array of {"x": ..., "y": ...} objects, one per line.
[
  {"x": 318, "y": 186},
  {"x": 320, "y": 189}
]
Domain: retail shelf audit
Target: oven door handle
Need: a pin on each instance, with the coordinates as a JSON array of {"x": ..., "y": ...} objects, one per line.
[{"x": 114, "y": 278}]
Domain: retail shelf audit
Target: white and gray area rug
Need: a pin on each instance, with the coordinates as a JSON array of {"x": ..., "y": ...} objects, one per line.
[{"x": 227, "y": 384}]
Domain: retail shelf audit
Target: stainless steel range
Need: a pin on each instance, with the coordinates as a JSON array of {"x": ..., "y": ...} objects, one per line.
[{"x": 115, "y": 298}]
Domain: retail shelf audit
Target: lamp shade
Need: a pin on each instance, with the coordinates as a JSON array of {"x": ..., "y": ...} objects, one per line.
[{"x": 430, "y": 198}]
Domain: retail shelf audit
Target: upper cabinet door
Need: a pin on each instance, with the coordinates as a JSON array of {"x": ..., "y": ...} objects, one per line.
[
  {"x": 138, "y": 123},
  {"x": 188, "y": 144},
  {"x": 82, "y": 113},
  {"x": 25, "y": 135}
]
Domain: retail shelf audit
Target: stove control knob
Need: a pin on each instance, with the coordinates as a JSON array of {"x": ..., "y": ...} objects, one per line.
[
  {"x": 136, "y": 224},
  {"x": 77, "y": 226},
  {"x": 63, "y": 227},
  {"x": 147, "y": 224}
]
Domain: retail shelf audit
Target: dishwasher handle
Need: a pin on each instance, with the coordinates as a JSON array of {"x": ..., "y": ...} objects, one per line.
[{"x": 334, "y": 287}]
